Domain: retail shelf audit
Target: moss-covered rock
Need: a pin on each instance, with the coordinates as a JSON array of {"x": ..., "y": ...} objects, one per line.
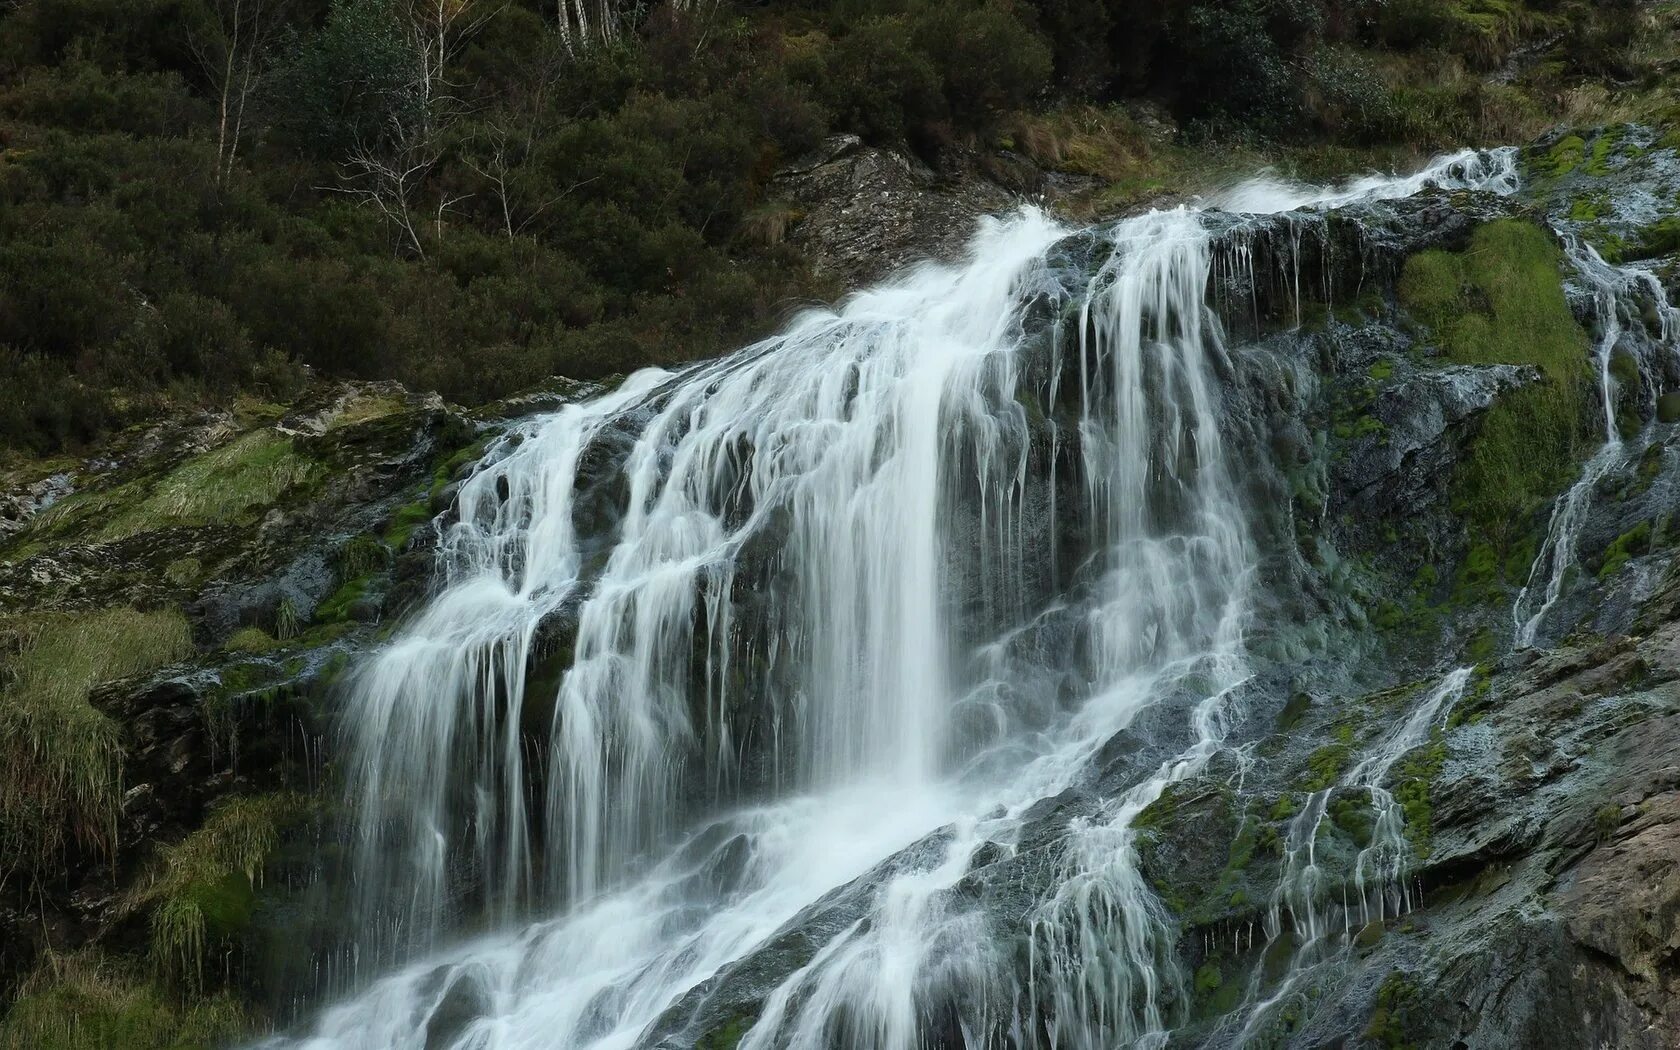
[{"x": 1501, "y": 301}]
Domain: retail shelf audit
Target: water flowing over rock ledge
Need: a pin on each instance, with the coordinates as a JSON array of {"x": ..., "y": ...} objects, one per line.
[{"x": 1177, "y": 543}]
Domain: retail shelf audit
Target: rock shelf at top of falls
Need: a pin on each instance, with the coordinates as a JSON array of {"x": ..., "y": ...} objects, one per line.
[{"x": 1220, "y": 627}]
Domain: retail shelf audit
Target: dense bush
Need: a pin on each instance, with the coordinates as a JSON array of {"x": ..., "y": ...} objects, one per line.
[{"x": 187, "y": 213}]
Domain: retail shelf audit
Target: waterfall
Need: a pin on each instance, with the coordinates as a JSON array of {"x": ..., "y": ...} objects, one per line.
[
  {"x": 1323, "y": 929},
  {"x": 808, "y": 637},
  {"x": 1615, "y": 295}
]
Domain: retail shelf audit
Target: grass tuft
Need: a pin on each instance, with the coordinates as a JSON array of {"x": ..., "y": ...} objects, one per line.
[
  {"x": 63, "y": 757},
  {"x": 204, "y": 887},
  {"x": 86, "y": 1002},
  {"x": 247, "y": 473}
]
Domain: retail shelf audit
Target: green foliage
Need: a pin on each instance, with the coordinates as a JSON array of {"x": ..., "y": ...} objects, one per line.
[
  {"x": 86, "y": 1002},
  {"x": 1501, "y": 302},
  {"x": 63, "y": 757},
  {"x": 203, "y": 889},
  {"x": 585, "y": 214},
  {"x": 1625, "y": 548},
  {"x": 351, "y": 83},
  {"x": 1392, "y": 1020}
]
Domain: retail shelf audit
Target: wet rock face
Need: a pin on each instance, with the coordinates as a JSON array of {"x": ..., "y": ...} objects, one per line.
[
  {"x": 862, "y": 212},
  {"x": 1541, "y": 901},
  {"x": 283, "y": 537}
]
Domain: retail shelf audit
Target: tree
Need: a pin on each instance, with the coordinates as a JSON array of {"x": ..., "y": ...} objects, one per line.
[{"x": 229, "y": 44}]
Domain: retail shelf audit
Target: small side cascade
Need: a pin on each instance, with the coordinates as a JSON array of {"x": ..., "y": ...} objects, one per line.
[
  {"x": 1620, "y": 298},
  {"x": 1379, "y": 888}
]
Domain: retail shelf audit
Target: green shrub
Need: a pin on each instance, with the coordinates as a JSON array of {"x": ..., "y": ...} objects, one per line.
[
  {"x": 87, "y": 1002},
  {"x": 63, "y": 757}
]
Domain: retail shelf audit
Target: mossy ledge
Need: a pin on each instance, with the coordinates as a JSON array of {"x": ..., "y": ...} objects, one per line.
[{"x": 1501, "y": 301}]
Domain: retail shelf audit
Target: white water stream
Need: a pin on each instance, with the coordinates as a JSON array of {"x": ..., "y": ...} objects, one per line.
[
  {"x": 1303, "y": 906},
  {"x": 1614, "y": 291},
  {"x": 839, "y": 482}
]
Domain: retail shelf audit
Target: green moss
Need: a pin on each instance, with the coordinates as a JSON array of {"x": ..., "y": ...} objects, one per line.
[
  {"x": 1160, "y": 812},
  {"x": 1590, "y": 207},
  {"x": 1380, "y": 370},
  {"x": 727, "y": 1037},
  {"x": 1389, "y": 616},
  {"x": 1478, "y": 571},
  {"x": 1392, "y": 1020},
  {"x": 1625, "y": 548},
  {"x": 1603, "y": 148},
  {"x": 246, "y": 474},
  {"x": 203, "y": 890},
  {"x": 1293, "y": 711},
  {"x": 336, "y": 609},
  {"x": 1657, "y": 239},
  {"x": 1519, "y": 559},
  {"x": 1624, "y": 369},
  {"x": 1361, "y": 425},
  {"x": 404, "y": 522},
  {"x": 1369, "y": 936},
  {"x": 1283, "y": 808},
  {"x": 1325, "y": 765},
  {"x": 85, "y": 1002},
  {"x": 1501, "y": 302},
  {"x": 1564, "y": 157},
  {"x": 1480, "y": 646},
  {"x": 1353, "y": 817},
  {"x": 1668, "y": 407},
  {"x": 63, "y": 757},
  {"x": 1415, "y": 777},
  {"x": 246, "y": 677}
]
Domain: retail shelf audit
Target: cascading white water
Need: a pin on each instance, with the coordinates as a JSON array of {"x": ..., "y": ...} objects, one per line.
[
  {"x": 1320, "y": 924},
  {"x": 830, "y": 479},
  {"x": 1615, "y": 291}
]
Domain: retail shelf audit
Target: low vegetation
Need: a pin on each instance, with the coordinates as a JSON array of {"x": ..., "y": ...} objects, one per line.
[
  {"x": 1501, "y": 301},
  {"x": 62, "y": 756},
  {"x": 190, "y": 213},
  {"x": 84, "y": 1001},
  {"x": 203, "y": 890}
]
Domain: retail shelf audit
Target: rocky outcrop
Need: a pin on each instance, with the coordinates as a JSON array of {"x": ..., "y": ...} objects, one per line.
[
  {"x": 861, "y": 212},
  {"x": 285, "y": 535}
]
